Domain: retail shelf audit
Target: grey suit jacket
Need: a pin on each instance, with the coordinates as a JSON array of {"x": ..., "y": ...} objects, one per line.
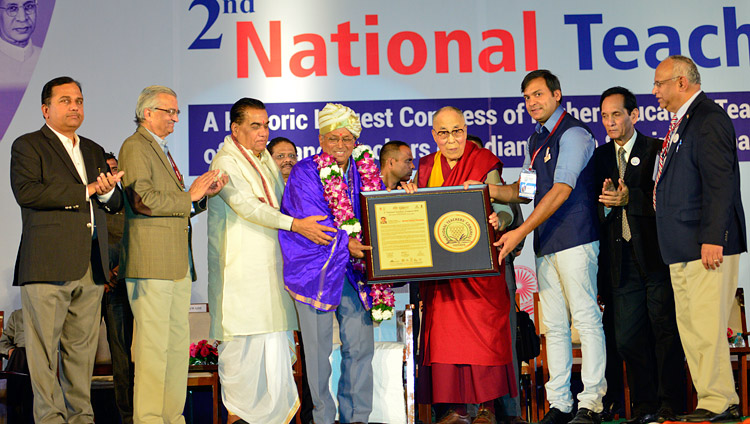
[
  {"x": 156, "y": 241},
  {"x": 56, "y": 241}
]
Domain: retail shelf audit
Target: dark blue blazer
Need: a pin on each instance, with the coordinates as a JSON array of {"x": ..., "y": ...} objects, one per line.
[{"x": 698, "y": 196}]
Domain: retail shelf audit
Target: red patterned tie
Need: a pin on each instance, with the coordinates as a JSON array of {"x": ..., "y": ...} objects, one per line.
[{"x": 663, "y": 154}]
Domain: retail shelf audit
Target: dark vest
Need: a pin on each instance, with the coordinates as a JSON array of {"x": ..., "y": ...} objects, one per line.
[{"x": 575, "y": 222}]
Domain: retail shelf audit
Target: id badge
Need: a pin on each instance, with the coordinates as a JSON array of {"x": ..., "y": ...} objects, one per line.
[{"x": 527, "y": 184}]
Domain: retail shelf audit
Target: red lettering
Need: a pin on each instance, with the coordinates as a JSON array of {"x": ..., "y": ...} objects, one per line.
[
  {"x": 271, "y": 62},
  {"x": 529, "y": 40},
  {"x": 394, "y": 52},
  {"x": 317, "y": 53},
  {"x": 442, "y": 60},
  {"x": 371, "y": 47},
  {"x": 344, "y": 38},
  {"x": 506, "y": 49}
]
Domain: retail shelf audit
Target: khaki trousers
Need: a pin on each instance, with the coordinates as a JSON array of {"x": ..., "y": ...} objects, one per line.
[
  {"x": 161, "y": 347},
  {"x": 703, "y": 299},
  {"x": 61, "y": 321}
]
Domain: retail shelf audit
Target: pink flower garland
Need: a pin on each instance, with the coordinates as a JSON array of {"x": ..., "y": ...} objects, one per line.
[{"x": 335, "y": 194}]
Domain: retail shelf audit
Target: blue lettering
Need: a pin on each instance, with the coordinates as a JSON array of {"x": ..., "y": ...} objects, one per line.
[
  {"x": 695, "y": 44},
  {"x": 672, "y": 45},
  {"x": 732, "y": 34},
  {"x": 584, "y": 22},
  {"x": 610, "y": 48}
]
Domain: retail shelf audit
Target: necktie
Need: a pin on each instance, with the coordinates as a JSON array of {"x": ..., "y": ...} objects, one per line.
[
  {"x": 621, "y": 165},
  {"x": 663, "y": 154}
]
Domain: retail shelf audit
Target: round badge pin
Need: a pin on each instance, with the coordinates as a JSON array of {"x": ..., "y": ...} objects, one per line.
[
  {"x": 635, "y": 161},
  {"x": 675, "y": 138}
]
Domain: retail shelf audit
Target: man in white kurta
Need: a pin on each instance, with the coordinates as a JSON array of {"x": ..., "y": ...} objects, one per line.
[{"x": 251, "y": 313}]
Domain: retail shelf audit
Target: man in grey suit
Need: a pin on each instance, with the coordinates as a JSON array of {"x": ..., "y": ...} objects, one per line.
[
  {"x": 156, "y": 258},
  {"x": 58, "y": 179}
]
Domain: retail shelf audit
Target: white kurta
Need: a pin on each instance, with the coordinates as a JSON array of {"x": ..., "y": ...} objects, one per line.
[{"x": 245, "y": 280}]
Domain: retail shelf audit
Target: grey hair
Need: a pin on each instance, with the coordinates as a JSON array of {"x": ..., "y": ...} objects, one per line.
[
  {"x": 683, "y": 65},
  {"x": 147, "y": 100}
]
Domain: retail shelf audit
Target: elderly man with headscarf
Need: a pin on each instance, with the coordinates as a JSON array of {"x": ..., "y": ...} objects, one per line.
[{"x": 328, "y": 279}]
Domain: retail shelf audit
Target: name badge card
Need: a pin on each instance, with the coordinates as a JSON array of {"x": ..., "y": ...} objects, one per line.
[{"x": 527, "y": 184}]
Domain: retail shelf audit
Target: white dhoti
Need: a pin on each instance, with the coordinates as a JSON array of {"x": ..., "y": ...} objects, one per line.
[{"x": 257, "y": 383}]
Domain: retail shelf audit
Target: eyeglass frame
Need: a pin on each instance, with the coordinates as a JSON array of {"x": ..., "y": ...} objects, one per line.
[
  {"x": 658, "y": 84},
  {"x": 444, "y": 135},
  {"x": 18, "y": 9},
  {"x": 170, "y": 112},
  {"x": 346, "y": 140}
]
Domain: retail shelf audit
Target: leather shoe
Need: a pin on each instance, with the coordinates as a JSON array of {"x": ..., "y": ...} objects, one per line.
[
  {"x": 586, "y": 416},
  {"x": 664, "y": 414},
  {"x": 484, "y": 416},
  {"x": 642, "y": 419},
  {"x": 453, "y": 417},
  {"x": 556, "y": 416},
  {"x": 699, "y": 415},
  {"x": 513, "y": 420}
]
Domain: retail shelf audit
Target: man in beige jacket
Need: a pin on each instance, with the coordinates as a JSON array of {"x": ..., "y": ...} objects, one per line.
[{"x": 156, "y": 260}]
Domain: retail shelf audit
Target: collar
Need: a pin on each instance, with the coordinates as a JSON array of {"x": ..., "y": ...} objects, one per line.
[
  {"x": 628, "y": 145},
  {"x": 76, "y": 141},
  {"x": 162, "y": 142},
  {"x": 17, "y": 53},
  {"x": 552, "y": 121},
  {"x": 683, "y": 109}
]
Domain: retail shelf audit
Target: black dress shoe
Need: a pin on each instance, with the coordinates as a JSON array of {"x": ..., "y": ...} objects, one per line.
[
  {"x": 699, "y": 415},
  {"x": 556, "y": 416},
  {"x": 664, "y": 414},
  {"x": 642, "y": 419},
  {"x": 586, "y": 416}
]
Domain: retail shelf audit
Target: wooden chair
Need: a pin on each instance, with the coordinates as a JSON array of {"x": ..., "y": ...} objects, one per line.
[{"x": 738, "y": 355}]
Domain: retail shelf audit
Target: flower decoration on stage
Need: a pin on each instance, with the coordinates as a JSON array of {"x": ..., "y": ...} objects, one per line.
[
  {"x": 204, "y": 353},
  {"x": 383, "y": 301},
  {"x": 336, "y": 193}
]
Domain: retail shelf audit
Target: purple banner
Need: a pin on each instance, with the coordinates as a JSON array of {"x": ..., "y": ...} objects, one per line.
[{"x": 502, "y": 123}]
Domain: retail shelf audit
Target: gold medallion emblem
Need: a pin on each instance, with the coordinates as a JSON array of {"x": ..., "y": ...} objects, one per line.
[{"x": 457, "y": 232}]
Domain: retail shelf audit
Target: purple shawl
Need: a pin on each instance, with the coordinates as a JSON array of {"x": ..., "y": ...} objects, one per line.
[{"x": 315, "y": 274}]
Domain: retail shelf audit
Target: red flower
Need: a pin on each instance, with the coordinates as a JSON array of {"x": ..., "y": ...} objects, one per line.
[{"x": 204, "y": 351}]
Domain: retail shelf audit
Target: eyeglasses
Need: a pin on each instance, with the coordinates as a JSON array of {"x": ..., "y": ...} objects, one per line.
[
  {"x": 658, "y": 84},
  {"x": 170, "y": 112},
  {"x": 28, "y": 8},
  {"x": 281, "y": 156},
  {"x": 335, "y": 140},
  {"x": 443, "y": 135}
]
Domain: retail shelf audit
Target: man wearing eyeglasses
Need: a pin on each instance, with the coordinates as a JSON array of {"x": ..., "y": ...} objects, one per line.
[
  {"x": 17, "y": 54},
  {"x": 558, "y": 175},
  {"x": 324, "y": 279},
  {"x": 465, "y": 351},
  {"x": 156, "y": 259},
  {"x": 284, "y": 153},
  {"x": 701, "y": 230}
]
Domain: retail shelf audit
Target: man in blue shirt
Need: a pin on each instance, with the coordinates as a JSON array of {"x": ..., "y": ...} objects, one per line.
[{"x": 566, "y": 243}]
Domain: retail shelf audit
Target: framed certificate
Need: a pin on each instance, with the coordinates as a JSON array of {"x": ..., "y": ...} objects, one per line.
[{"x": 435, "y": 233}]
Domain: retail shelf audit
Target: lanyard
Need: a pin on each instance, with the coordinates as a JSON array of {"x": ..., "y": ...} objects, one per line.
[
  {"x": 531, "y": 165},
  {"x": 174, "y": 167}
]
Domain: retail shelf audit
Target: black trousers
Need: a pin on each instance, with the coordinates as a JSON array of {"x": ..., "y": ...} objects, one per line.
[
  {"x": 647, "y": 336},
  {"x": 20, "y": 396}
]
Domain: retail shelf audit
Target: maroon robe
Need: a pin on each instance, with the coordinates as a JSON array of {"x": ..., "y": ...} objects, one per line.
[{"x": 466, "y": 351}]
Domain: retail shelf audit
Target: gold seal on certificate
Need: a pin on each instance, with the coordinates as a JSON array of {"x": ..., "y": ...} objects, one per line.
[
  {"x": 404, "y": 235},
  {"x": 457, "y": 231}
]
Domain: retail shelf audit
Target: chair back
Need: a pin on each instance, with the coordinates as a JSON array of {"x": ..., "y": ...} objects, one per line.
[{"x": 737, "y": 321}]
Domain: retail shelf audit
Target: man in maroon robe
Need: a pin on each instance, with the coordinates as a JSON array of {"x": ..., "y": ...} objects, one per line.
[{"x": 466, "y": 351}]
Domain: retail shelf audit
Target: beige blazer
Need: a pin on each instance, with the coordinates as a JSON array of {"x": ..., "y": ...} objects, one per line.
[{"x": 157, "y": 236}]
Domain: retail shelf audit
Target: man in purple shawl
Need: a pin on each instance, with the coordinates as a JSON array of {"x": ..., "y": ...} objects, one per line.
[{"x": 326, "y": 280}]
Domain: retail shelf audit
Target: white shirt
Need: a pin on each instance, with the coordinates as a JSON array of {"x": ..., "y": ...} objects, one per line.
[
  {"x": 73, "y": 147},
  {"x": 628, "y": 147}
]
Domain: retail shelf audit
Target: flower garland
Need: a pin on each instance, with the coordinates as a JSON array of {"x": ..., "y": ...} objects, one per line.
[{"x": 335, "y": 193}]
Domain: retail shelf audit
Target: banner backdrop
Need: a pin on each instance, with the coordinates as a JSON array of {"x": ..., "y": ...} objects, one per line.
[{"x": 393, "y": 62}]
